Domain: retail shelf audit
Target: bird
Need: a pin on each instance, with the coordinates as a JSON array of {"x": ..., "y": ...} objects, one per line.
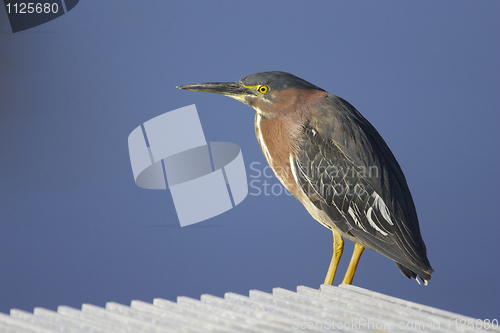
[{"x": 337, "y": 165}]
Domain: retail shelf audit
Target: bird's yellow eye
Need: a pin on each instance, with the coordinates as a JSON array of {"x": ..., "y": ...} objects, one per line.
[{"x": 263, "y": 89}]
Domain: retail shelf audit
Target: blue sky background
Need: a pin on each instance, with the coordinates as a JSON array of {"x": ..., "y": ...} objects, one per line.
[{"x": 74, "y": 227}]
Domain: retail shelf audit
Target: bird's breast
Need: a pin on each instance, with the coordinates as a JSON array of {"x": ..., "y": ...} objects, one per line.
[
  {"x": 275, "y": 137},
  {"x": 278, "y": 139}
]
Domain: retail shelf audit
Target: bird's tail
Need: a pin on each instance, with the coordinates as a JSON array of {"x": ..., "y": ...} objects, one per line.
[{"x": 412, "y": 275}]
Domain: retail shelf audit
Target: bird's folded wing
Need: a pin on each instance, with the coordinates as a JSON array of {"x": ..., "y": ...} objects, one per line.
[{"x": 347, "y": 170}]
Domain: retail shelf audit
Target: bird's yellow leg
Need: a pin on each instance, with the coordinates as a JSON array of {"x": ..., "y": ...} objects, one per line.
[
  {"x": 338, "y": 248},
  {"x": 356, "y": 255}
]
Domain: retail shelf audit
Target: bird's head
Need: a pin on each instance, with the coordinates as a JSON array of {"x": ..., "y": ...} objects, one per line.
[{"x": 270, "y": 93}]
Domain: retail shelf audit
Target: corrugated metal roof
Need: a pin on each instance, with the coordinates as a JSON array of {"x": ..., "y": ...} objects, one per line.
[{"x": 345, "y": 308}]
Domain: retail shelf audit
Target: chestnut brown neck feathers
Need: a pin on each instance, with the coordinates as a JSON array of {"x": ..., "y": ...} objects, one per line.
[{"x": 277, "y": 129}]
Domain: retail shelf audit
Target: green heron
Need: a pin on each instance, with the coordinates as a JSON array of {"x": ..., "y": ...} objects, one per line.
[{"x": 337, "y": 165}]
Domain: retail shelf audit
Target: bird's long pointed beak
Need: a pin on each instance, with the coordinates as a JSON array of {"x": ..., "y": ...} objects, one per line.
[{"x": 231, "y": 89}]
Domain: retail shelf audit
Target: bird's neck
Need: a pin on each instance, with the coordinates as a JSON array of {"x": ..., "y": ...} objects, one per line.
[
  {"x": 276, "y": 137},
  {"x": 278, "y": 129}
]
